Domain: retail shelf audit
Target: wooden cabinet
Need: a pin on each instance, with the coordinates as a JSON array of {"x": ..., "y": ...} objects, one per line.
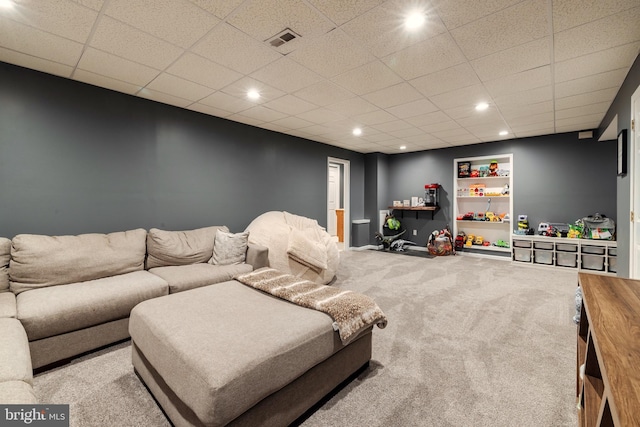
[{"x": 608, "y": 352}]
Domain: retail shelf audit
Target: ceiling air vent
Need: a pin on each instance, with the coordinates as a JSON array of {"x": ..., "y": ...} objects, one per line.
[{"x": 282, "y": 37}]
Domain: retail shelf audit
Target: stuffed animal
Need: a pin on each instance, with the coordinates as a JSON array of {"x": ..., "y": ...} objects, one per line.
[{"x": 493, "y": 168}]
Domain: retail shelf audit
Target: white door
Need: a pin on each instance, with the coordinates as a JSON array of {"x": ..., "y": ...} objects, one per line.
[
  {"x": 634, "y": 176},
  {"x": 334, "y": 198}
]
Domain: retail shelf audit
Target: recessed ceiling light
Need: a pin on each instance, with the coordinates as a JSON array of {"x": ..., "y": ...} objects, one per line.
[
  {"x": 253, "y": 94},
  {"x": 357, "y": 131},
  {"x": 504, "y": 132},
  {"x": 6, "y": 4},
  {"x": 414, "y": 20},
  {"x": 403, "y": 147},
  {"x": 482, "y": 106}
]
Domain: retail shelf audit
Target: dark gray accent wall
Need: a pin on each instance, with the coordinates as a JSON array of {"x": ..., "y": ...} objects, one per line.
[
  {"x": 556, "y": 178},
  {"x": 621, "y": 106},
  {"x": 75, "y": 158}
]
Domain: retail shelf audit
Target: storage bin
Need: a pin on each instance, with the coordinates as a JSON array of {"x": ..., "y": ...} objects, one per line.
[
  {"x": 543, "y": 245},
  {"x": 566, "y": 247},
  {"x": 522, "y": 243},
  {"x": 596, "y": 250},
  {"x": 567, "y": 259},
  {"x": 613, "y": 251},
  {"x": 542, "y": 257},
  {"x": 592, "y": 262},
  {"x": 522, "y": 254},
  {"x": 613, "y": 264}
]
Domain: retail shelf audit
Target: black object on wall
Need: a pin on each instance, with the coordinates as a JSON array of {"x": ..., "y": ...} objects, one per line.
[{"x": 75, "y": 158}]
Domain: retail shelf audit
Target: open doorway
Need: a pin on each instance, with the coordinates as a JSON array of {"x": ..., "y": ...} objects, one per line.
[{"x": 338, "y": 214}]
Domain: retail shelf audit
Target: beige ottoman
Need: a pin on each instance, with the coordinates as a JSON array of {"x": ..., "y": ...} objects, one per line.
[{"x": 229, "y": 354}]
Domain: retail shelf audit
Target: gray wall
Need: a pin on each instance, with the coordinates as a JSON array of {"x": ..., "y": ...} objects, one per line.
[
  {"x": 557, "y": 178},
  {"x": 621, "y": 106},
  {"x": 75, "y": 158}
]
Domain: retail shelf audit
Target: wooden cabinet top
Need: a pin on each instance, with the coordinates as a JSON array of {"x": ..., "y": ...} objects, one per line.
[{"x": 612, "y": 305}]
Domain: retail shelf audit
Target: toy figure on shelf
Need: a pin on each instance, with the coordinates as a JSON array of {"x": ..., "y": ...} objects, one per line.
[{"x": 493, "y": 168}]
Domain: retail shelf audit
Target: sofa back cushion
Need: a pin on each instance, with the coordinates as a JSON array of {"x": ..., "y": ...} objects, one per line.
[
  {"x": 5, "y": 256},
  {"x": 38, "y": 261},
  {"x": 166, "y": 248}
]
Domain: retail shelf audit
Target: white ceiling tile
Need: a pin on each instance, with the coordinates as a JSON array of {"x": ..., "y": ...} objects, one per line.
[
  {"x": 341, "y": 11},
  {"x": 275, "y": 127},
  {"x": 178, "y": 22},
  {"x": 406, "y": 133},
  {"x": 317, "y": 130},
  {"x": 382, "y": 31},
  {"x": 441, "y": 127},
  {"x": 528, "y": 97},
  {"x": 392, "y": 126},
  {"x": 221, "y": 9},
  {"x": 592, "y": 83},
  {"x": 93, "y": 4},
  {"x": 332, "y": 54},
  {"x": 460, "y": 12},
  {"x": 520, "y": 82},
  {"x": 515, "y": 60},
  {"x": 572, "y": 13},
  {"x": 429, "y": 56},
  {"x": 429, "y": 119},
  {"x": 106, "y": 82},
  {"x": 374, "y": 117},
  {"x": 532, "y": 119},
  {"x": 263, "y": 114},
  {"x": 239, "y": 89},
  {"x": 212, "y": 111},
  {"x": 60, "y": 17},
  {"x": 324, "y": 93},
  {"x": 367, "y": 78},
  {"x": 471, "y": 95},
  {"x": 515, "y": 110},
  {"x": 290, "y": 104},
  {"x": 393, "y": 95},
  {"x": 227, "y": 102},
  {"x": 320, "y": 115},
  {"x": 457, "y": 134},
  {"x": 292, "y": 122},
  {"x": 376, "y": 137},
  {"x": 535, "y": 132},
  {"x": 122, "y": 40},
  {"x": 605, "y": 95},
  {"x": 34, "y": 42},
  {"x": 179, "y": 87},
  {"x": 215, "y": 46},
  {"x": 264, "y": 19},
  {"x": 164, "y": 98},
  {"x": 244, "y": 119},
  {"x": 588, "y": 121},
  {"x": 28, "y": 61},
  {"x": 599, "y": 108},
  {"x": 467, "y": 110},
  {"x": 352, "y": 107},
  {"x": 286, "y": 75},
  {"x": 519, "y": 24},
  {"x": 605, "y": 33},
  {"x": 109, "y": 65},
  {"x": 490, "y": 116},
  {"x": 598, "y": 62},
  {"x": 202, "y": 71},
  {"x": 412, "y": 109},
  {"x": 456, "y": 77},
  {"x": 486, "y": 131}
]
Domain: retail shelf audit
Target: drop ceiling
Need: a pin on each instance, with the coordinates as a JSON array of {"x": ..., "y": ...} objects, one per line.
[{"x": 543, "y": 66}]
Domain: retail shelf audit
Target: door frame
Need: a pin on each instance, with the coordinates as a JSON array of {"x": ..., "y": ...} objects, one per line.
[
  {"x": 634, "y": 189},
  {"x": 345, "y": 194}
]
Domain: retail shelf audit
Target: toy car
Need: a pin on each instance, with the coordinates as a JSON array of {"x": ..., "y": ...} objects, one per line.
[{"x": 478, "y": 240}]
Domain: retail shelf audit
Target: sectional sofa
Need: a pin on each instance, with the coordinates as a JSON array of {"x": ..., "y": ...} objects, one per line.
[{"x": 61, "y": 296}]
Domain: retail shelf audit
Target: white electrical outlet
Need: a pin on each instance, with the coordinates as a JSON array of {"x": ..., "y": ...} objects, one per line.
[{"x": 415, "y": 232}]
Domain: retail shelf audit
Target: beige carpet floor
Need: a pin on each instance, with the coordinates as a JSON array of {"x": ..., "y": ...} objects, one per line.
[{"x": 470, "y": 342}]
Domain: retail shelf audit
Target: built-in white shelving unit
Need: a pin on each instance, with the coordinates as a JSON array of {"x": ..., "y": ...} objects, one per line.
[{"x": 484, "y": 193}]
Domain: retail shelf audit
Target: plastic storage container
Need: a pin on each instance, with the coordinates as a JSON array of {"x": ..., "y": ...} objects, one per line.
[
  {"x": 566, "y": 247},
  {"x": 567, "y": 259},
  {"x": 522, "y": 243},
  {"x": 543, "y": 245},
  {"x": 592, "y": 262},
  {"x": 596, "y": 250},
  {"x": 613, "y": 264},
  {"x": 542, "y": 257},
  {"x": 523, "y": 255}
]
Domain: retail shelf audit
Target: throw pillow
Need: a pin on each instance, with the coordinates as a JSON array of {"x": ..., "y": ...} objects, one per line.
[
  {"x": 229, "y": 248},
  {"x": 304, "y": 247}
]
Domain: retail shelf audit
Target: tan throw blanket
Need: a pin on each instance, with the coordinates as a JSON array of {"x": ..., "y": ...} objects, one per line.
[{"x": 351, "y": 312}]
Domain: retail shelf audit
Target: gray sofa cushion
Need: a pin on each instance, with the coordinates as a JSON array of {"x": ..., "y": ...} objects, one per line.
[
  {"x": 223, "y": 348},
  {"x": 167, "y": 248},
  {"x": 185, "y": 277},
  {"x": 5, "y": 256},
  {"x": 38, "y": 261},
  {"x": 55, "y": 310},
  {"x": 7, "y": 304},
  {"x": 15, "y": 358}
]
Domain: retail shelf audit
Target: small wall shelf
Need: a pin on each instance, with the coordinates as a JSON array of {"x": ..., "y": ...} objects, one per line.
[{"x": 417, "y": 209}]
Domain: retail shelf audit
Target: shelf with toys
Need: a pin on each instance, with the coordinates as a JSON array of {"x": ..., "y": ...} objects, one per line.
[{"x": 483, "y": 204}]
